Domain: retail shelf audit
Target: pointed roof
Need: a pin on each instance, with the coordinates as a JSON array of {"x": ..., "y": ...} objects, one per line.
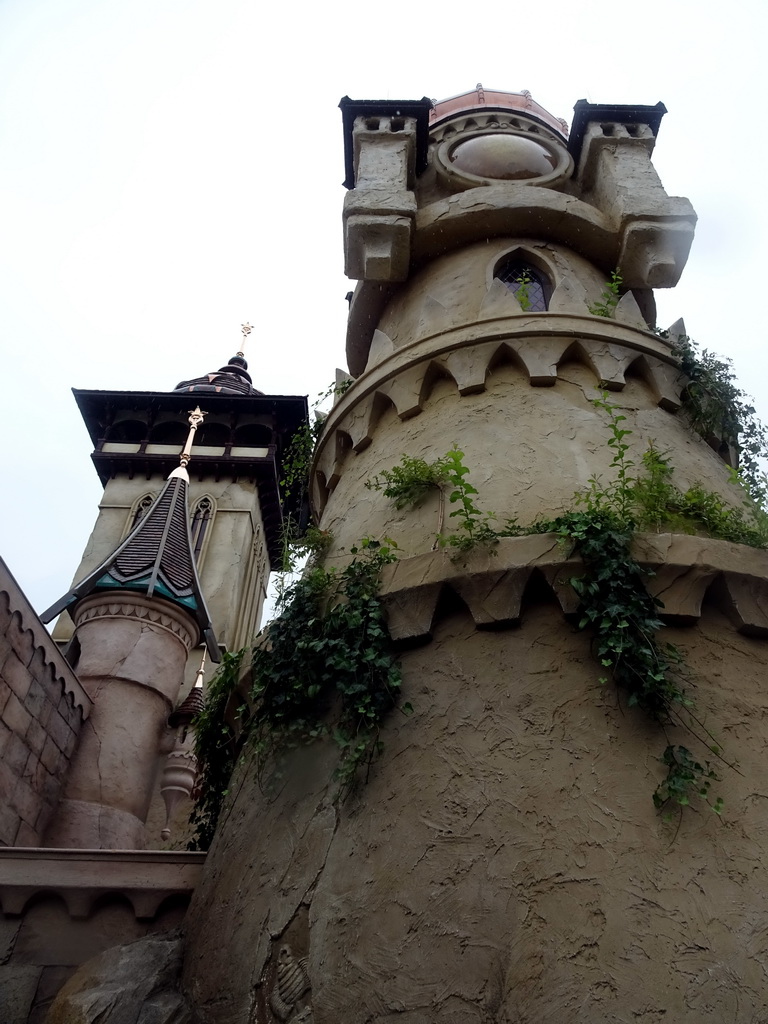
[{"x": 154, "y": 559}]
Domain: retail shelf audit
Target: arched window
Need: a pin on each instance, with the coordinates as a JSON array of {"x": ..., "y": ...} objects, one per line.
[
  {"x": 130, "y": 431},
  {"x": 529, "y": 286},
  {"x": 253, "y": 435},
  {"x": 202, "y": 514},
  {"x": 170, "y": 432},
  {"x": 139, "y": 509},
  {"x": 212, "y": 435}
]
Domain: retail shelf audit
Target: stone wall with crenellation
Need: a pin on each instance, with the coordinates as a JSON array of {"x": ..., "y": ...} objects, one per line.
[{"x": 42, "y": 708}]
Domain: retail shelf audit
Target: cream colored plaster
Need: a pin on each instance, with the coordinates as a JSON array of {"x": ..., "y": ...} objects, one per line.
[
  {"x": 528, "y": 450},
  {"x": 451, "y": 291},
  {"x": 132, "y": 657},
  {"x": 504, "y": 863},
  {"x": 227, "y": 577}
]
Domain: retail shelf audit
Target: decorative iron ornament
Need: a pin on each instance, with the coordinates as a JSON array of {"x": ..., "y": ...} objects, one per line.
[
  {"x": 246, "y": 329},
  {"x": 196, "y": 417}
]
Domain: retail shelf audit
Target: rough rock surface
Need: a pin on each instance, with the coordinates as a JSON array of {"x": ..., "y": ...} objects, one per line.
[{"x": 132, "y": 984}]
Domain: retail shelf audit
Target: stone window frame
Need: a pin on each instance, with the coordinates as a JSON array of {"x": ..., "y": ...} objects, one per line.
[
  {"x": 138, "y": 509},
  {"x": 199, "y": 546}
]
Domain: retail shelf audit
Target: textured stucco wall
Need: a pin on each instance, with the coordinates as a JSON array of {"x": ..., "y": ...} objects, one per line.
[
  {"x": 528, "y": 450},
  {"x": 505, "y": 862}
]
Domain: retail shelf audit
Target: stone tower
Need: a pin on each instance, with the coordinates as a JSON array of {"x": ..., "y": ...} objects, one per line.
[
  {"x": 234, "y": 496},
  {"x": 167, "y": 568},
  {"x": 504, "y": 862}
]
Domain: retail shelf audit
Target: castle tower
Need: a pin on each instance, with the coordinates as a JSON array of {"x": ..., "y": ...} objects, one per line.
[
  {"x": 137, "y": 616},
  {"x": 235, "y": 504},
  {"x": 504, "y": 861},
  {"x": 137, "y": 608}
]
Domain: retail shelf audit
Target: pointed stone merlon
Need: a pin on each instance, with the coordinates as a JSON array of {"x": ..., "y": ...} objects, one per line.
[
  {"x": 385, "y": 148},
  {"x": 612, "y": 147}
]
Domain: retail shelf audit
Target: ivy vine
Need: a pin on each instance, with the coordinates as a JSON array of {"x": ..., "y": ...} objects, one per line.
[
  {"x": 408, "y": 483},
  {"x": 614, "y": 601},
  {"x": 216, "y": 750},
  {"x": 324, "y": 667},
  {"x": 298, "y": 536},
  {"x": 719, "y": 409},
  {"x": 623, "y": 617}
]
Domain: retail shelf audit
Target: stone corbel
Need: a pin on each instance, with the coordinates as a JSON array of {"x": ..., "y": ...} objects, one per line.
[
  {"x": 379, "y": 211},
  {"x": 653, "y": 253},
  {"x": 617, "y": 177}
]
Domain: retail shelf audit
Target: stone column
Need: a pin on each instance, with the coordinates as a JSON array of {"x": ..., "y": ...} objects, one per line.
[{"x": 133, "y": 651}]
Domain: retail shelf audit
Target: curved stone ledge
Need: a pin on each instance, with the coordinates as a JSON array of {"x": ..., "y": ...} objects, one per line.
[
  {"x": 462, "y": 218},
  {"x": 81, "y": 878},
  {"x": 38, "y": 642},
  {"x": 492, "y": 582},
  {"x": 539, "y": 343},
  {"x": 607, "y": 241},
  {"x": 126, "y": 605}
]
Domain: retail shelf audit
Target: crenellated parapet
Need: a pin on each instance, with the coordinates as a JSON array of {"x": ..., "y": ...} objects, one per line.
[
  {"x": 492, "y": 583},
  {"x": 82, "y": 879},
  {"x": 466, "y": 357},
  {"x": 419, "y": 191}
]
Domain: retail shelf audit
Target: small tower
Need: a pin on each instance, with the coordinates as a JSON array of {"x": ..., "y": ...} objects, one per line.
[
  {"x": 236, "y": 511},
  {"x": 505, "y": 861},
  {"x": 137, "y": 608},
  {"x": 136, "y": 616}
]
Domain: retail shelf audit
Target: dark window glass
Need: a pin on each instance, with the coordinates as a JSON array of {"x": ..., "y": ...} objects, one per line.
[
  {"x": 128, "y": 431},
  {"x": 142, "y": 508},
  {"x": 212, "y": 435},
  {"x": 253, "y": 435},
  {"x": 529, "y": 286},
  {"x": 170, "y": 432},
  {"x": 201, "y": 519}
]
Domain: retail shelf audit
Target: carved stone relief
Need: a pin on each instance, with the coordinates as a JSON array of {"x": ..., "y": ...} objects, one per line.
[{"x": 284, "y": 992}]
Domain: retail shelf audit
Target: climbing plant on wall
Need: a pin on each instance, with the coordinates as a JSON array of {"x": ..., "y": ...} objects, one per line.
[
  {"x": 615, "y": 604},
  {"x": 324, "y": 667}
]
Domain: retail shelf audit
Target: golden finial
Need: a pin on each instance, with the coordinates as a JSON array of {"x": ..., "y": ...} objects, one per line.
[
  {"x": 200, "y": 673},
  {"x": 195, "y": 419},
  {"x": 246, "y": 329}
]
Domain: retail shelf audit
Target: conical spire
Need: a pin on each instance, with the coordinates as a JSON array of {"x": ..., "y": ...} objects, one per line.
[{"x": 156, "y": 557}]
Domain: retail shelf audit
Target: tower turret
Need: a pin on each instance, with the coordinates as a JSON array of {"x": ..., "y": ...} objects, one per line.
[
  {"x": 236, "y": 509},
  {"x": 138, "y": 606},
  {"x": 505, "y": 861},
  {"x": 137, "y": 616}
]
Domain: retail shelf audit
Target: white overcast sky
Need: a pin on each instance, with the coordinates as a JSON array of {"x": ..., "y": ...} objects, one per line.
[{"x": 172, "y": 168}]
